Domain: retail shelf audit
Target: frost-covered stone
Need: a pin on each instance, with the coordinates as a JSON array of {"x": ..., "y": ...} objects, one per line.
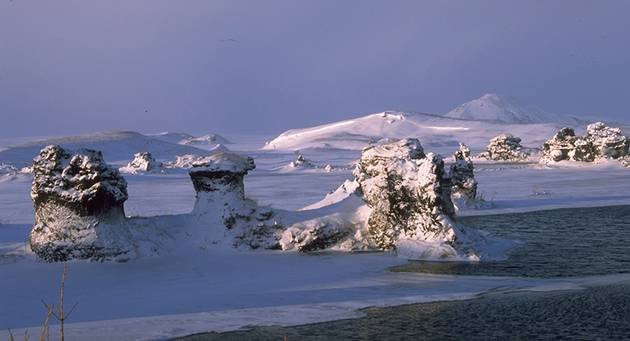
[
  {"x": 407, "y": 192},
  {"x": 78, "y": 202},
  {"x": 142, "y": 163},
  {"x": 400, "y": 199},
  {"x": 218, "y": 181},
  {"x": 609, "y": 142},
  {"x": 505, "y": 147},
  {"x": 599, "y": 141},
  {"x": 302, "y": 162},
  {"x": 462, "y": 175},
  {"x": 561, "y": 146}
]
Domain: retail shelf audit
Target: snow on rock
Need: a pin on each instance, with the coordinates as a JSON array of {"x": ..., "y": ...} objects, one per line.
[
  {"x": 188, "y": 160},
  {"x": 301, "y": 163},
  {"x": 609, "y": 142},
  {"x": 462, "y": 175},
  {"x": 599, "y": 142},
  {"x": 400, "y": 199},
  {"x": 78, "y": 201},
  {"x": 505, "y": 147},
  {"x": 220, "y": 198},
  {"x": 141, "y": 163},
  {"x": 208, "y": 139}
]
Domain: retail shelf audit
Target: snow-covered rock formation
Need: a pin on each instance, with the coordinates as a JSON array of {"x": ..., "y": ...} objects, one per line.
[
  {"x": 402, "y": 200},
  {"x": 599, "y": 142},
  {"x": 302, "y": 162},
  {"x": 78, "y": 201},
  {"x": 141, "y": 163},
  {"x": 186, "y": 161},
  {"x": 220, "y": 200},
  {"x": 609, "y": 142},
  {"x": 505, "y": 147},
  {"x": 462, "y": 175},
  {"x": 208, "y": 139}
]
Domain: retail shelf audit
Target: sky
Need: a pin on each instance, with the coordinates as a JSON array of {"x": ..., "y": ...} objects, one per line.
[{"x": 256, "y": 66}]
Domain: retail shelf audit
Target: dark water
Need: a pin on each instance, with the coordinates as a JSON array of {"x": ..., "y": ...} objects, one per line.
[
  {"x": 559, "y": 243},
  {"x": 601, "y": 313}
]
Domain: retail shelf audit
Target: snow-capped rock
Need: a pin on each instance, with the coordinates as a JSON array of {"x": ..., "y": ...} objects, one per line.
[
  {"x": 220, "y": 198},
  {"x": 462, "y": 175},
  {"x": 302, "y": 162},
  {"x": 407, "y": 192},
  {"x": 400, "y": 199},
  {"x": 505, "y": 147},
  {"x": 208, "y": 139},
  {"x": 609, "y": 142},
  {"x": 599, "y": 142},
  {"x": 141, "y": 163},
  {"x": 560, "y": 146},
  {"x": 78, "y": 201}
]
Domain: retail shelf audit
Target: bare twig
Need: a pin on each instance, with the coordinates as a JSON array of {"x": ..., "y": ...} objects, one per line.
[
  {"x": 59, "y": 313},
  {"x": 44, "y": 334}
]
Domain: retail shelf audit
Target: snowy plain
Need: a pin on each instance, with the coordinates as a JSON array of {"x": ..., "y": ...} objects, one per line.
[{"x": 203, "y": 290}]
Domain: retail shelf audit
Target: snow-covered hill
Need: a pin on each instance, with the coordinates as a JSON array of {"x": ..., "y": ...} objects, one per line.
[
  {"x": 434, "y": 131},
  {"x": 473, "y": 123},
  {"x": 116, "y": 146},
  {"x": 495, "y": 108}
]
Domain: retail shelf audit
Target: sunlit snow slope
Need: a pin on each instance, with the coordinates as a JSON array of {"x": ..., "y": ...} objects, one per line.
[{"x": 473, "y": 123}]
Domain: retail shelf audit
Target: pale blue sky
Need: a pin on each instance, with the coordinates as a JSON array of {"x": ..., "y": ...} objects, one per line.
[{"x": 266, "y": 66}]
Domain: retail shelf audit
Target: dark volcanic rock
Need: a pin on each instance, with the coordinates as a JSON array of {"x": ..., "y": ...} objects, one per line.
[
  {"x": 78, "y": 201},
  {"x": 462, "y": 174}
]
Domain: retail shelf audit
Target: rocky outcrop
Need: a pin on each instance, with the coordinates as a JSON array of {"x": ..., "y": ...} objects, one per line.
[
  {"x": 78, "y": 202},
  {"x": 302, "y": 162},
  {"x": 607, "y": 141},
  {"x": 407, "y": 192},
  {"x": 599, "y": 142},
  {"x": 505, "y": 147},
  {"x": 142, "y": 163},
  {"x": 218, "y": 181},
  {"x": 400, "y": 199},
  {"x": 462, "y": 175}
]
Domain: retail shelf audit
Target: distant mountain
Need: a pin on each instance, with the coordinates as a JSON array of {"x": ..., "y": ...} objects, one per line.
[
  {"x": 495, "y": 108},
  {"x": 116, "y": 146},
  {"x": 437, "y": 133}
]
